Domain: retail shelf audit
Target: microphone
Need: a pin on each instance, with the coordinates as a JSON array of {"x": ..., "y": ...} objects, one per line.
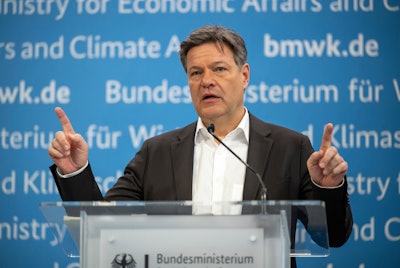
[{"x": 211, "y": 129}]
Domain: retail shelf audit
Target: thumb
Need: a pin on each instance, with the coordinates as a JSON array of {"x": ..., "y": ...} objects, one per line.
[
  {"x": 77, "y": 140},
  {"x": 314, "y": 158}
]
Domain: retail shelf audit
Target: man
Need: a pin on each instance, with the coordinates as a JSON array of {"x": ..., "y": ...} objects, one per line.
[{"x": 189, "y": 164}]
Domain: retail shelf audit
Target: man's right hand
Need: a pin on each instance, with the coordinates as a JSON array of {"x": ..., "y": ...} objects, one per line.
[{"x": 69, "y": 151}]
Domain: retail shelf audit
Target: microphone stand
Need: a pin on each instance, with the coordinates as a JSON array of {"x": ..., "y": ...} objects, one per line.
[{"x": 211, "y": 129}]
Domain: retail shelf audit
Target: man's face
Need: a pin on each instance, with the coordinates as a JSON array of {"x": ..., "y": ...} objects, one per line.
[{"x": 216, "y": 83}]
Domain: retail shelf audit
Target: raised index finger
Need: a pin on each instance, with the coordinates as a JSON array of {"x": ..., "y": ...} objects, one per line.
[
  {"x": 327, "y": 137},
  {"x": 65, "y": 123}
]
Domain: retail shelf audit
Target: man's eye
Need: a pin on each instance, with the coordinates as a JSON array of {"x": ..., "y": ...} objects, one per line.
[
  {"x": 195, "y": 73},
  {"x": 220, "y": 69}
]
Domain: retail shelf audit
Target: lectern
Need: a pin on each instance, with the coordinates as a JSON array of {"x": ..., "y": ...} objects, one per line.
[{"x": 250, "y": 234}]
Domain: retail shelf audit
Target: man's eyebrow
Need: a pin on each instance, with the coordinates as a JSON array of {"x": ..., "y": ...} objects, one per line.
[
  {"x": 194, "y": 67},
  {"x": 211, "y": 64}
]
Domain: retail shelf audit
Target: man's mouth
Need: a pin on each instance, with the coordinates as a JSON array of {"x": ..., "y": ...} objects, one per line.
[{"x": 209, "y": 96}]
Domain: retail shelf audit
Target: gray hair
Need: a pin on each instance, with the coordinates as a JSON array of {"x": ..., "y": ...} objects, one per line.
[{"x": 215, "y": 34}]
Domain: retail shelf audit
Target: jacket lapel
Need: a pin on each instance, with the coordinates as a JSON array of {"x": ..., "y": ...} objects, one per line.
[
  {"x": 258, "y": 153},
  {"x": 182, "y": 152}
]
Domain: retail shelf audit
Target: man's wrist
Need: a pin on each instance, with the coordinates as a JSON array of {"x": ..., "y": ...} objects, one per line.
[
  {"x": 69, "y": 175},
  {"x": 326, "y": 187}
]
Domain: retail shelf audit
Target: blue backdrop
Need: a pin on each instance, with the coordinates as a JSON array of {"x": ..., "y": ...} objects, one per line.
[{"x": 113, "y": 66}]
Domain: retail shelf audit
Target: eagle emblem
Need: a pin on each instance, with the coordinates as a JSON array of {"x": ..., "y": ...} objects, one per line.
[{"x": 123, "y": 260}]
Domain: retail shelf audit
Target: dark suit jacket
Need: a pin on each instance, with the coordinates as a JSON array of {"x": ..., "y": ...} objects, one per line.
[{"x": 162, "y": 170}]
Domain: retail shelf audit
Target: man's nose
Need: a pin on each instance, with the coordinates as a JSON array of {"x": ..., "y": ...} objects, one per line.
[{"x": 207, "y": 79}]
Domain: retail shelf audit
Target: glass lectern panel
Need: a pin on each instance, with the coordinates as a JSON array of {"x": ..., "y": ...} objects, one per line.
[{"x": 107, "y": 222}]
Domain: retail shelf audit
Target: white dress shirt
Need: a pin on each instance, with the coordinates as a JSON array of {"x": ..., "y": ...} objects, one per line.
[{"x": 218, "y": 176}]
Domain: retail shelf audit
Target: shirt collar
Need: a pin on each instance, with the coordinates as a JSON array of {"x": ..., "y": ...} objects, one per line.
[{"x": 243, "y": 128}]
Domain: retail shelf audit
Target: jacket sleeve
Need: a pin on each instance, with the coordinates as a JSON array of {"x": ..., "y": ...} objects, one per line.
[
  {"x": 81, "y": 187},
  {"x": 338, "y": 213}
]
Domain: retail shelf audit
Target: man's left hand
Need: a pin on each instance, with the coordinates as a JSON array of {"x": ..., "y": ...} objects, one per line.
[{"x": 326, "y": 167}]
